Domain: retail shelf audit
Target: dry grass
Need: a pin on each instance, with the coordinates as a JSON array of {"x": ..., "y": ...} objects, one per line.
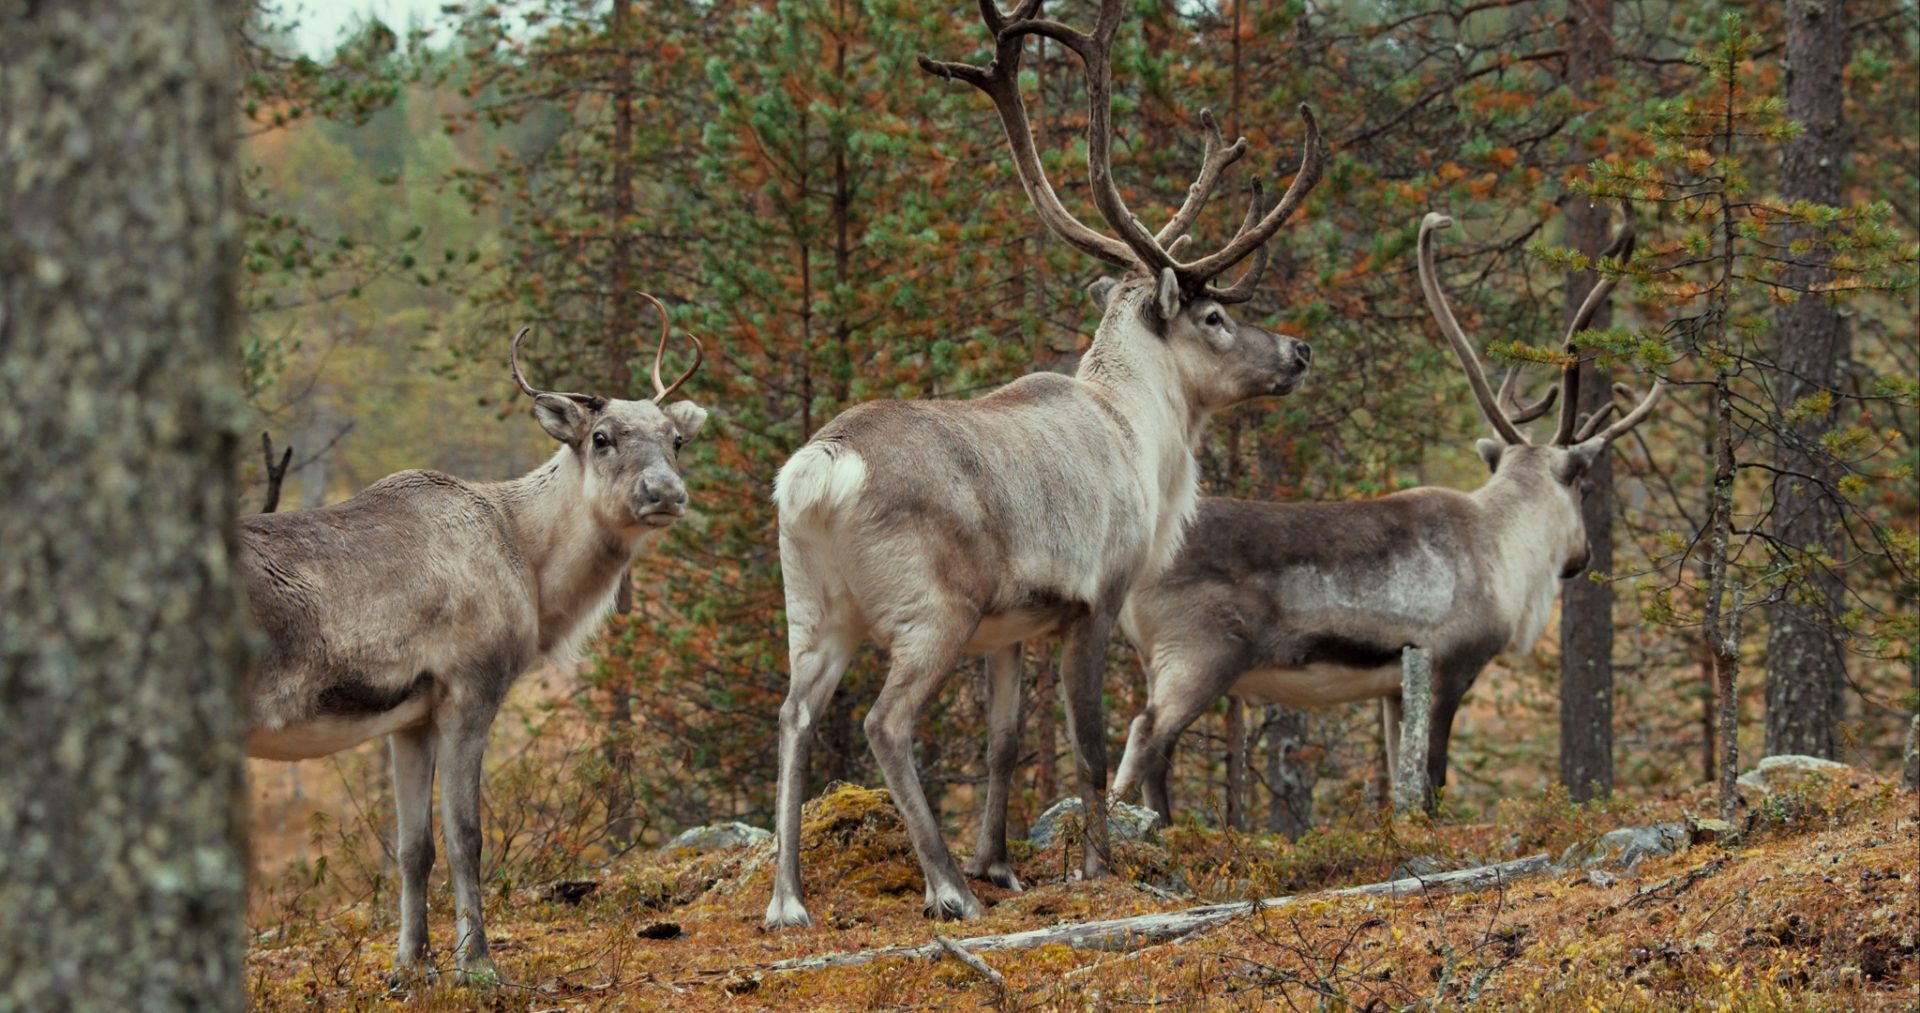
[{"x": 1815, "y": 909}]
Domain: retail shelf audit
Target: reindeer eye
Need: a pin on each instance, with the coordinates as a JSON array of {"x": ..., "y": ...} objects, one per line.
[
  {"x": 600, "y": 440},
  {"x": 678, "y": 442},
  {"x": 1213, "y": 318}
]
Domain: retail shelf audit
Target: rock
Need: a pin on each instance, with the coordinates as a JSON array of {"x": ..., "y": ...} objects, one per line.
[
  {"x": 1706, "y": 830},
  {"x": 1125, "y": 822},
  {"x": 1625, "y": 848},
  {"x": 718, "y": 837},
  {"x": 1786, "y": 772}
]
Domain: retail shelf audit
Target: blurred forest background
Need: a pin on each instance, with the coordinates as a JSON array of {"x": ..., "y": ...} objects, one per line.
[{"x": 838, "y": 226}]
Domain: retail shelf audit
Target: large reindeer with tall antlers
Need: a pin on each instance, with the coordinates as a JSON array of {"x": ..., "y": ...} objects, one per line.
[
  {"x": 409, "y": 609},
  {"x": 1310, "y": 604},
  {"x": 941, "y": 529}
]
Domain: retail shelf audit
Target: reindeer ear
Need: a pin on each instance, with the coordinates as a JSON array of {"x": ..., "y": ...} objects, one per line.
[
  {"x": 1101, "y": 290},
  {"x": 1490, "y": 451},
  {"x": 563, "y": 418},
  {"x": 1578, "y": 458},
  {"x": 1167, "y": 296},
  {"x": 687, "y": 417}
]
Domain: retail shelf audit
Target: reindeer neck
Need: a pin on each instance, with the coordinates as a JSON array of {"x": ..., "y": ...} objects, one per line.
[
  {"x": 576, "y": 563},
  {"x": 1131, "y": 369},
  {"x": 1517, "y": 534}
]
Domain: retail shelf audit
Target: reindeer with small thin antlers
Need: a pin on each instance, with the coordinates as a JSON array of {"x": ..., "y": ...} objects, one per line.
[
  {"x": 1310, "y": 604},
  {"x": 942, "y": 529},
  {"x": 409, "y": 609}
]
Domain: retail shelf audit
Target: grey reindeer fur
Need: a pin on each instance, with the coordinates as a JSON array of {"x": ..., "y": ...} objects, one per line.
[
  {"x": 409, "y": 609},
  {"x": 1310, "y": 604},
  {"x": 939, "y": 529}
]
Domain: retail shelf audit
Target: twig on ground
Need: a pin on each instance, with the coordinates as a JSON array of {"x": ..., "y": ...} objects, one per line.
[
  {"x": 1679, "y": 884},
  {"x": 958, "y": 952}
]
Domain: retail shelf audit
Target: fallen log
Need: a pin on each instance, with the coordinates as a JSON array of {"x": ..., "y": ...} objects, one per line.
[{"x": 1145, "y": 930}]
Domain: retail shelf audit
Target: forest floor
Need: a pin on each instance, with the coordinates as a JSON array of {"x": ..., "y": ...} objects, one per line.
[{"x": 1814, "y": 905}]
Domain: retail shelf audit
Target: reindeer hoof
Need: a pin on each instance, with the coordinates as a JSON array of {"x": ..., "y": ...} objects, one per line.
[
  {"x": 786, "y": 913},
  {"x": 404, "y": 976},
  {"x": 999, "y": 873},
  {"x": 948, "y": 904},
  {"x": 478, "y": 972}
]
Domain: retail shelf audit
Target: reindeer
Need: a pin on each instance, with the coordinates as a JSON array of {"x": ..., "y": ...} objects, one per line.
[
  {"x": 409, "y": 609},
  {"x": 1310, "y": 604},
  {"x": 942, "y": 529}
]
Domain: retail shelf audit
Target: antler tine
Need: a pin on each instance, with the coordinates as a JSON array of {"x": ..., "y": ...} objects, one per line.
[
  {"x": 1001, "y": 81},
  {"x": 1312, "y": 163},
  {"x": 513, "y": 360},
  {"x": 1437, "y": 302},
  {"x": 1620, "y": 247},
  {"x": 1629, "y": 420},
  {"x": 1096, "y": 52},
  {"x": 1520, "y": 416},
  {"x": 1594, "y": 422},
  {"x": 1242, "y": 290},
  {"x": 593, "y": 401},
  {"x": 663, "y": 390},
  {"x": 659, "y": 388},
  {"x": 1217, "y": 158}
]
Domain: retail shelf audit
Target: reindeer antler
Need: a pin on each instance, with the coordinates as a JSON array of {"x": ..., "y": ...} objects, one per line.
[
  {"x": 593, "y": 402},
  {"x": 1495, "y": 406},
  {"x": 662, "y": 390},
  {"x": 1135, "y": 246},
  {"x": 1620, "y": 247},
  {"x": 1462, "y": 349}
]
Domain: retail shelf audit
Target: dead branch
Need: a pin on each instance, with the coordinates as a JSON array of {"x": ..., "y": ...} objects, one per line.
[
  {"x": 1122, "y": 934},
  {"x": 958, "y": 952}
]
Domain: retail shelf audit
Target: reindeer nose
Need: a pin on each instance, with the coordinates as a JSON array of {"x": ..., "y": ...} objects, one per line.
[
  {"x": 1303, "y": 350},
  {"x": 669, "y": 494}
]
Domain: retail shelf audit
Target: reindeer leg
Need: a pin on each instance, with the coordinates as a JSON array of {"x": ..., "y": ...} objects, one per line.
[
  {"x": 461, "y": 745},
  {"x": 816, "y": 663},
  {"x": 989, "y": 859},
  {"x": 923, "y": 659},
  {"x": 1180, "y": 689},
  {"x": 412, "y": 754},
  {"x": 1082, "y": 667}
]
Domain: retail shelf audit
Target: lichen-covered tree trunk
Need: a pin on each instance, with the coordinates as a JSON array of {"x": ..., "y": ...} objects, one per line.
[
  {"x": 1586, "y": 607},
  {"x": 122, "y": 876},
  {"x": 1806, "y": 667}
]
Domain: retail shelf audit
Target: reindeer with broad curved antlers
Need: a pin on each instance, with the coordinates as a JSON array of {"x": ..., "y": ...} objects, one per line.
[
  {"x": 409, "y": 609},
  {"x": 942, "y": 529},
  {"x": 1310, "y": 604}
]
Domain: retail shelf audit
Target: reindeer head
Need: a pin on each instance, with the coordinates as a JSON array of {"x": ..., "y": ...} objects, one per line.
[
  {"x": 628, "y": 451},
  {"x": 1550, "y": 474},
  {"x": 1216, "y": 360}
]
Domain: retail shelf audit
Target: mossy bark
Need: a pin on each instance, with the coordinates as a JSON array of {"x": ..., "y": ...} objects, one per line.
[
  {"x": 121, "y": 653},
  {"x": 1806, "y": 653},
  {"x": 1586, "y": 607}
]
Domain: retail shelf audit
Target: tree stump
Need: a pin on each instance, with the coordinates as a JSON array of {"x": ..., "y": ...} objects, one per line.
[{"x": 1410, "y": 788}]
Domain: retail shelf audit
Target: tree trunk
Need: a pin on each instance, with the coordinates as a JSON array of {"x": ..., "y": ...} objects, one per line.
[
  {"x": 620, "y": 322},
  {"x": 122, "y": 803},
  {"x": 1289, "y": 776},
  {"x": 1235, "y": 729},
  {"x": 1720, "y": 619},
  {"x": 1806, "y": 668},
  {"x": 1586, "y": 607}
]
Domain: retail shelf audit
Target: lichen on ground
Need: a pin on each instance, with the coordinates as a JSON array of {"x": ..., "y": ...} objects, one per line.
[{"x": 1814, "y": 908}]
